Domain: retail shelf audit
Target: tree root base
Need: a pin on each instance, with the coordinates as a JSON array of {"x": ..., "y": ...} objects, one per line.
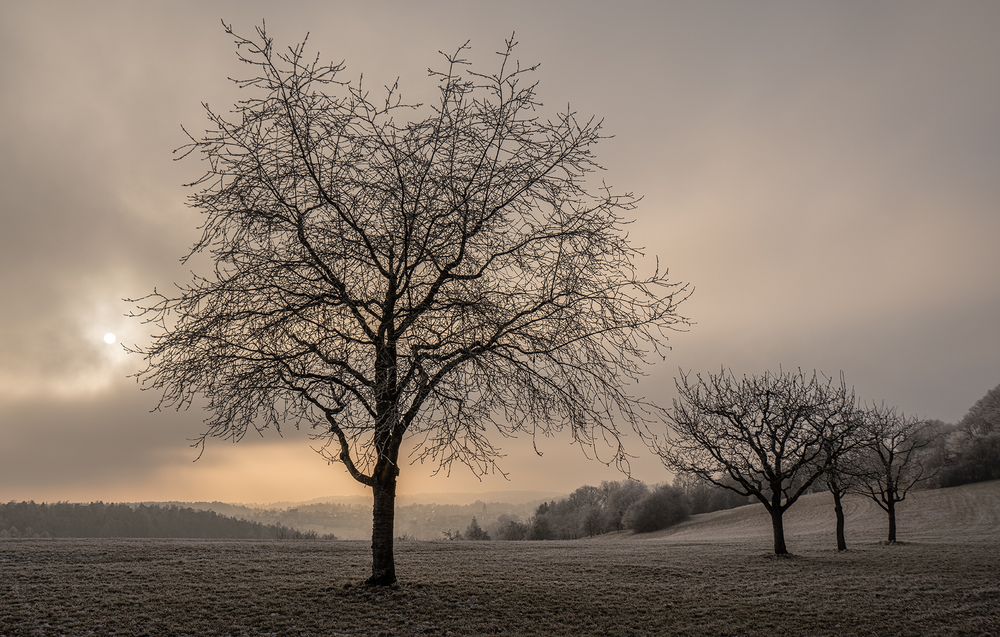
[
  {"x": 381, "y": 581},
  {"x": 781, "y": 556}
]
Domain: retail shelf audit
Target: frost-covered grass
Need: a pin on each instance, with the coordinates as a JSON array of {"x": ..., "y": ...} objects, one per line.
[
  {"x": 201, "y": 587},
  {"x": 712, "y": 575}
]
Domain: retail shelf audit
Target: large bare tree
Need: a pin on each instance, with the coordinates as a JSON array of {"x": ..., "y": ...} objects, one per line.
[
  {"x": 385, "y": 271},
  {"x": 769, "y": 436},
  {"x": 892, "y": 464}
]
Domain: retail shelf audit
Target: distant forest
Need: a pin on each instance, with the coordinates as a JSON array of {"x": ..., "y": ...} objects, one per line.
[
  {"x": 97, "y": 519},
  {"x": 612, "y": 506}
]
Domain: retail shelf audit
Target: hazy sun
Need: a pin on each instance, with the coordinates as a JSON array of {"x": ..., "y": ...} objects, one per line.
[{"x": 109, "y": 338}]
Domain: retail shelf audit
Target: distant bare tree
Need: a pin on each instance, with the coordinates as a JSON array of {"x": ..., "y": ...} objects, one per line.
[
  {"x": 385, "y": 271},
  {"x": 841, "y": 476},
  {"x": 843, "y": 456},
  {"x": 475, "y": 532},
  {"x": 893, "y": 463},
  {"x": 762, "y": 436}
]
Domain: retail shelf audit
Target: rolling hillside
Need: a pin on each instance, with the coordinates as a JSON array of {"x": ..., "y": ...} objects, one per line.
[{"x": 968, "y": 513}]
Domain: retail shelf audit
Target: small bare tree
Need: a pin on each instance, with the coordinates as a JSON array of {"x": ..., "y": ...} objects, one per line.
[
  {"x": 762, "y": 436},
  {"x": 385, "y": 271},
  {"x": 841, "y": 474},
  {"x": 892, "y": 464}
]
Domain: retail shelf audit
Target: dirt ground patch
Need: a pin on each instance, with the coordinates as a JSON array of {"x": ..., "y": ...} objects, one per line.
[{"x": 141, "y": 587}]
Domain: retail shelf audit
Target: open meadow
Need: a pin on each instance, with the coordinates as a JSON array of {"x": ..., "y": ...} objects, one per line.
[{"x": 698, "y": 579}]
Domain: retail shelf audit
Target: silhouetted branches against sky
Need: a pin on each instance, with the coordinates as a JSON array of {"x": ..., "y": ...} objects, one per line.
[
  {"x": 893, "y": 465},
  {"x": 383, "y": 267},
  {"x": 769, "y": 435}
]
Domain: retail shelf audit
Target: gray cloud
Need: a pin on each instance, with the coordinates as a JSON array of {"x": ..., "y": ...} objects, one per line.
[{"x": 825, "y": 174}]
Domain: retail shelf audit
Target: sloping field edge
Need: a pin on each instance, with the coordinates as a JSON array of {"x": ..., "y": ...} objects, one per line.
[{"x": 967, "y": 513}]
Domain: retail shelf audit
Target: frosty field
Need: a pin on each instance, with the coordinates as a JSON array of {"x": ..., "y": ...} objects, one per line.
[{"x": 695, "y": 580}]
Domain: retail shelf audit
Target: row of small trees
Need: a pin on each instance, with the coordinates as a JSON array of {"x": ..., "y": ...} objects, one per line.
[{"x": 774, "y": 436}]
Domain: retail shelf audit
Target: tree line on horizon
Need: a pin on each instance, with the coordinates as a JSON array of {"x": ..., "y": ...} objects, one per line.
[
  {"x": 628, "y": 505},
  {"x": 106, "y": 520},
  {"x": 969, "y": 450}
]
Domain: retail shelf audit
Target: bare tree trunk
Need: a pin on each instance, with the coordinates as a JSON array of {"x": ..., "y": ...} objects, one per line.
[
  {"x": 891, "y": 509},
  {"x": 779, "y": 532},
  {"x": 838, "y": 508},
  {"x": 383, "y": 521},
  {"x": 387, "y": 437}
]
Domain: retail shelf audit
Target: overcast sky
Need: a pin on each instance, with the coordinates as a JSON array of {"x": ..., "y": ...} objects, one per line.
[{"x": 827, "y": 175}]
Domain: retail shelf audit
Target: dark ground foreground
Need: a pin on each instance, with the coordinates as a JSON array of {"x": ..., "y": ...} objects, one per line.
[{"x": 200, "y": 587}]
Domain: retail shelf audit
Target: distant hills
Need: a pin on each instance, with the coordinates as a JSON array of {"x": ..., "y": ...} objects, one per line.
[
  {"x": 457, "y": 497},
  {"x": 352, "y": 519}
]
